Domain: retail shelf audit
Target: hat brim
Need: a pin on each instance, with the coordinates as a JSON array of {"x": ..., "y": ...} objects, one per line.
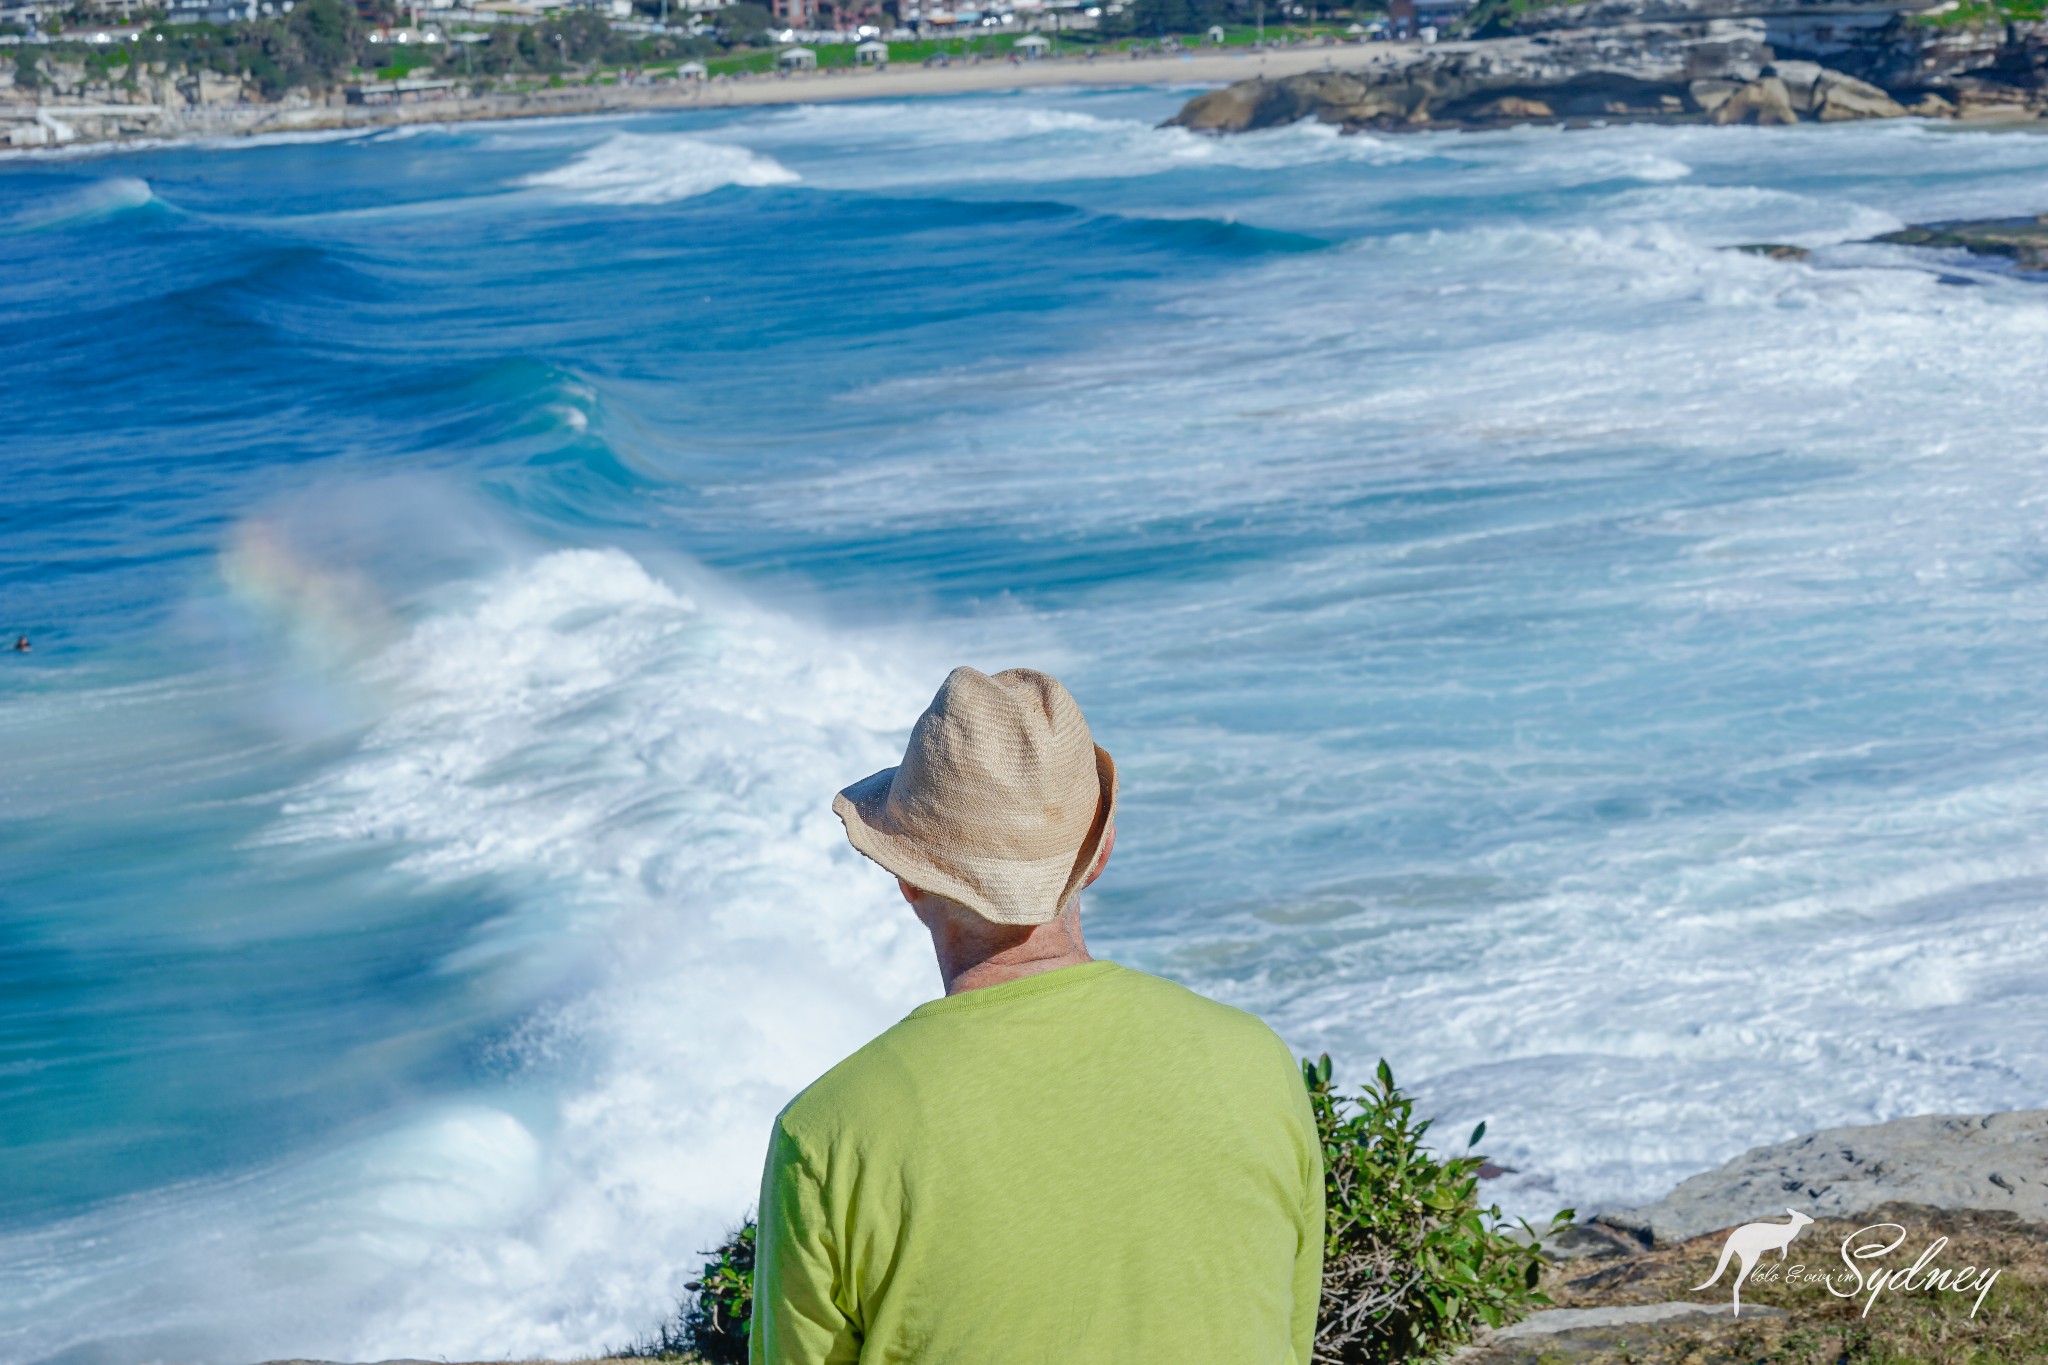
[{"x": 1003, "y": 891}]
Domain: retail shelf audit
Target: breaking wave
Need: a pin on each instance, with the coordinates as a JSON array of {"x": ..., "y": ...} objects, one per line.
[
  {"x": 85, "y": 204},
  {"x": 636, "y": 767},
  {"x": 656, "y": 168}
]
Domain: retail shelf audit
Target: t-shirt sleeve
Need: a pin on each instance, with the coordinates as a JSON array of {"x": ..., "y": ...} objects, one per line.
[
  {"x": 1308, "y": 1255},
  {"x": 797, "y": 1319}
]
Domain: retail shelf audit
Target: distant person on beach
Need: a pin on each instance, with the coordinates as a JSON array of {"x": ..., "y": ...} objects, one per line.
[{"x": 1063, "y": 1160}]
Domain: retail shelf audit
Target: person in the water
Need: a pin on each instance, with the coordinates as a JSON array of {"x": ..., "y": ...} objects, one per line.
[
  {"x": 21, "y": 644},
  {"x": 1062, "y": 1160}
]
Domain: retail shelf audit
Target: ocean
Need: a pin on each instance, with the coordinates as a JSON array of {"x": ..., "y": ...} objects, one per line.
[{"x": 1600, "y": 672}]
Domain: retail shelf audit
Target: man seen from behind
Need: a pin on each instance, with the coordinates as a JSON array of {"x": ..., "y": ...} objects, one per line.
[{"x": 1063, "y": 1161}]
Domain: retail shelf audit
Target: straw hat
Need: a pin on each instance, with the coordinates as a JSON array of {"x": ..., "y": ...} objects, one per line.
[{"x": 1000, "y": 803}]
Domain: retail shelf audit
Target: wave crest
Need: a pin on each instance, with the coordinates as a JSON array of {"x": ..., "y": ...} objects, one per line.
[
  {"x": 649, "y": 168},
  {"x": 85, "y": 204}
]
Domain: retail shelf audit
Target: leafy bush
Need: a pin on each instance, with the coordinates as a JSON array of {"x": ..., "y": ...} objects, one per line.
[
  {"x": 1411, "y": 1263},
  {"x": 711, "y": 1324},
  {"x": 744, "y": 24}
]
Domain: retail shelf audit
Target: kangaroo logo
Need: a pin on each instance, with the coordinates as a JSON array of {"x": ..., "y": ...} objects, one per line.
[{"x": 1750, "y": 1241}]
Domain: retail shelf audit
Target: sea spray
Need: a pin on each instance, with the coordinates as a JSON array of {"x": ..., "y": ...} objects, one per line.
[{"x": 640, "y": 774}]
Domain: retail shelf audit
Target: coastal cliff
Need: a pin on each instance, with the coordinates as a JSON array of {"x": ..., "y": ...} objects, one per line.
[{"x": 1665, "y": 61}]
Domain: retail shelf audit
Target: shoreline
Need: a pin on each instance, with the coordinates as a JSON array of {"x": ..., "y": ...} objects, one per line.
[
  {"x": 76, "y": 127},
  {"x": 1626, "y": 1284}
]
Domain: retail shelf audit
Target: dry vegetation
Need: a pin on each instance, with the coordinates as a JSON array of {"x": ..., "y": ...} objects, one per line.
[{"x": 1816, "y": 1328}]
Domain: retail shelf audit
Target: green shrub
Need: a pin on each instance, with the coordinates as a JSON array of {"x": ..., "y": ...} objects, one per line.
[
  {"x": 744, "y": 24},
  {"x": 1412, "y": 1264},
  {"x": 711, "y": 1324}
]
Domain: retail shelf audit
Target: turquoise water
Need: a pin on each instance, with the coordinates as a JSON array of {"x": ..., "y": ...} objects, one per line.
[{"x": 1598, "y": 671}]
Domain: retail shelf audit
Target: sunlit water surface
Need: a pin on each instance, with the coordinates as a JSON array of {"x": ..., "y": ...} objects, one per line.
[{"x": 1598, "y": 671}]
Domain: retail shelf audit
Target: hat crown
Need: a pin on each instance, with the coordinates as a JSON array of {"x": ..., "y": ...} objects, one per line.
[
  {"x": 999, "y": 766},
  {"x": 1002, "y": 800}
]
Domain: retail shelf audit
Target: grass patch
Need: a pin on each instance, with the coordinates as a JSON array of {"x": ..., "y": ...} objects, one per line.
[{"x": 1984, "y": 14}]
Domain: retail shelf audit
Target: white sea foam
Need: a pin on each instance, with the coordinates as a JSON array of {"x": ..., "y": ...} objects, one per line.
[
  {"x": 658, "y": 168},
  {"x": 642, "y": 770},
  {"x": 88, "y": 203},
  {"x": 923, "y": 143},
  {"x": 1764, "y": 936}
]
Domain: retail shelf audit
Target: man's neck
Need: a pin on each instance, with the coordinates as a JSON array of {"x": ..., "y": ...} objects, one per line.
[{"x": 975, "y": 954}]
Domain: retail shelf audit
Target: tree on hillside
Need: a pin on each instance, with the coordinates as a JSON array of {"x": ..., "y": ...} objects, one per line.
[
  {"x": 743, "y": 25},
  {"x": 327, "y": 35},
  {"x": 1157, "y": 18}
]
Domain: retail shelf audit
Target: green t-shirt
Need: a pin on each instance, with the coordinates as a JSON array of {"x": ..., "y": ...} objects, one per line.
[{"x": 1090, "y": 1166}]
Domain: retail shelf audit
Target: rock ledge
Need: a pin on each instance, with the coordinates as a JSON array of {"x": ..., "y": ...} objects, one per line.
[{"x": 1992, "y": 1162}]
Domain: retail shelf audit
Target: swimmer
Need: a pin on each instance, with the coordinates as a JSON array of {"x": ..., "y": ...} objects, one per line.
[{"x": 21, "y": 644}]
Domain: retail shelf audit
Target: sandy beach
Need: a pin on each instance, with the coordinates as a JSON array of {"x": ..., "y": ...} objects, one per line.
[
  {"x": 92, "y": 123},
  {"x": 1194, "y": 68},
  {"x": 825, "y": 87}
]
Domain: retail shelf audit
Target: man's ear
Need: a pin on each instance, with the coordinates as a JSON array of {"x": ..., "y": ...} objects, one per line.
[{"x": 1102, "y": 858}]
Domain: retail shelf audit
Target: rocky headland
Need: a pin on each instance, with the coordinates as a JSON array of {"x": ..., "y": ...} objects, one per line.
[
  {"x": 1667, "y": 61},
  {"x": 1953, "y": 1190}
]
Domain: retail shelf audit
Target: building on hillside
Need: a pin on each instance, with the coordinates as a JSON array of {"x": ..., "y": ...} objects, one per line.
[
  {"x": 36, "y": 14},
  {"x": 797, "y": 59},
  {"x": 873, "y": 52},
  {"x": 692, "y": 71},
  {"x": 1406, "y": 19},
  {"x": 224, "y": 11},
  {"x": 399, "y": 92},
  {"x": 30, "y": 14}
]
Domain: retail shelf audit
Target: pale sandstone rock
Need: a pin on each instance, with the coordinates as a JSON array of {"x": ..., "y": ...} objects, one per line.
[
  {"x": 1838, "y": 98},
  {"x": 1764, "y": 100},
  {"x": 1982, "y": 1161},
  {"x": 1710, "y": 94},
  {"x": 1513, "y": 107},
  {"x": 1800, "y": 78},
  {"x": 1555, "y": 1321}
]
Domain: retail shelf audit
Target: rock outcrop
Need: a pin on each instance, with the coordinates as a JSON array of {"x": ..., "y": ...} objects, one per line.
[
  {"x": 1700, "y": 61},
  {"x": 1993, "y": 1162},
  {"x": 1717, "y": 71},
  {"x": 2022, "y": 240},
  {"x": 1765, "y": 100}
]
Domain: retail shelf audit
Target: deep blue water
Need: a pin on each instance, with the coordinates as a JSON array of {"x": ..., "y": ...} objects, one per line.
[{"x": 1597, "y": 670}]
